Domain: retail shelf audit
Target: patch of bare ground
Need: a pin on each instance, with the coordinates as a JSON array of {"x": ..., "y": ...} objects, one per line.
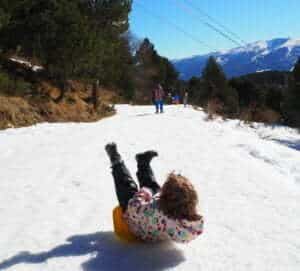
[{"x": 79, "y": 103}]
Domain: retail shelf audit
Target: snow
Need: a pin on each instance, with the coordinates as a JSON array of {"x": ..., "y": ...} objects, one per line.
[
  {"x": 221, "y": 60},
  {"x": 35, "y": 68},
  {"x": 255, "y": 47},
  {"x": 291, "y": 44},
  {"x": 57, "y": 193},
  {"x": 263, "y": 48},
  {"x": 265, "y": 70}
]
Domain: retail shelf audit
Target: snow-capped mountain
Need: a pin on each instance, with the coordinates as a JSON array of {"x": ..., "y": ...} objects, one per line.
[{"x": 277, "y": 54}]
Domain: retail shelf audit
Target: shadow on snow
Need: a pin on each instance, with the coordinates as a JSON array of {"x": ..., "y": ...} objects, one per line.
[
  {"x": 108, "y": 254},
  {"x": 293, "y": 144}
]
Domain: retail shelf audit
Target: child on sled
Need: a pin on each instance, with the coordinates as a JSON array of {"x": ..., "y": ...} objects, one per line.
[{"x": 155, "y": 213}]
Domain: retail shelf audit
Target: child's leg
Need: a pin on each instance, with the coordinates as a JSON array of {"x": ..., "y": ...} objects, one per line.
[
  {"x": 157, "y": 106},
  {"x": 124, "y": 183},
  {"x": 161, "y": 106},
  {"x": 145, "y": 173},
  {"x": 147, "y": 179}
]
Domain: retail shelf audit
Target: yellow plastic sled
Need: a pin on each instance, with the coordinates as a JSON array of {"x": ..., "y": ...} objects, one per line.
[{"x": 121, "y": 227}]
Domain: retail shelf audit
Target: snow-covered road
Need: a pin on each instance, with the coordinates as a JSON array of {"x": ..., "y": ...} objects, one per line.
[{"x": 57, "y": 194}]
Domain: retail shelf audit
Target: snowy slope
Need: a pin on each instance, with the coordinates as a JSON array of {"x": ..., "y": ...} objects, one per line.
[
  {"x": 277, "y": 54},
  {"x": 57, "y": 193}
]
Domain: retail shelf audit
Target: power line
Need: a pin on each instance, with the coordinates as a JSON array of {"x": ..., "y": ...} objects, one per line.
[
  {"x": 222, "y": 26},
  {"x": 178, "y": 28},
  {"x": 187, "y": 7}
]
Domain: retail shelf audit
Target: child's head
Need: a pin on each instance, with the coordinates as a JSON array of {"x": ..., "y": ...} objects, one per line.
[{"x": 178, "y": 198}]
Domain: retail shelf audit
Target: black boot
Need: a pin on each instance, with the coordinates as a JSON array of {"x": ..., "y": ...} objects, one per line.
[
  {"x": 145, "y": 174},
  {"x": 145, "y": 158},
  {"x": 112, "y": 152}
]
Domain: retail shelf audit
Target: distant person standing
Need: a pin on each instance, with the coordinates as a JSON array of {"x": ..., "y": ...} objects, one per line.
[
  {"x": 176, "y": 99},
  {"x": 185, "y": 98},
  {"x": 158, "y": 98}
]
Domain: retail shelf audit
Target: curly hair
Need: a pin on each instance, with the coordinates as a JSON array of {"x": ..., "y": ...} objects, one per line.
[{"x": 178, "y": 198}]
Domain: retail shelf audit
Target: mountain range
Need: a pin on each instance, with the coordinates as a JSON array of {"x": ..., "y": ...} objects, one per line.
[{"x": 277, "y": 54}]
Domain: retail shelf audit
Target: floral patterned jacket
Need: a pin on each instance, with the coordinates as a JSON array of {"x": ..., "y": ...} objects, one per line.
[{"x": 149, "y": 223}]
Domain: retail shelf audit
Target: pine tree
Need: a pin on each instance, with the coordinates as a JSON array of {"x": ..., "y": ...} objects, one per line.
[
  {"x": 194, "y": 86},
  {"x": 80, "y": 39},
  {"x": 6, "y": 8},
  {"x": 213, "y": 76},
  {"x": 248, "y": 92},
  {"x": 296, "y": 71},
  {"x": 152, "y": 69},
  {"x": 3, "y": 17},
  {"x": 215, "y": 87},
  {"x": 291, "y": 106}
]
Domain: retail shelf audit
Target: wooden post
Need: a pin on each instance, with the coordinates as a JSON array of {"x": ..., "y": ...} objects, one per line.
[{"x": 95, "y": 93}]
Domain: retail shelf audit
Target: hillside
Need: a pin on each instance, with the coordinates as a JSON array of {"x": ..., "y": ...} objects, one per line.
[
  {"x": 28, "y": 96},
  {"x": 57, "y": 193},
  {"x": 277, "y": 54}
]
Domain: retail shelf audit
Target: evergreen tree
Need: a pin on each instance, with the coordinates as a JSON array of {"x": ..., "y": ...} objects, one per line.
[
  {"x": 215, "y": 86},
  {"x": 213, "y": 82},
  {"x": 3, "y": 17},
  {"x": 6, "y": 8},
  {"x": 296, "y": 72},
  {"x": 111, "y": 57},
  {"x": 144, "y": 71},
  {"x": 248, "y": 92},
  {"x": 145, "y": 53},
  {"x": 196, "y": 90},
  {"x": 291, "y": 107},
  {"x": 213, "y": 76},
  {"x": 168, "y": 75},
  {"x": 71, "y": 39},
  {"x": 152, "y": 69},
  {"x": 274, "y": 97},
  {"x": 126, "y": 76}
]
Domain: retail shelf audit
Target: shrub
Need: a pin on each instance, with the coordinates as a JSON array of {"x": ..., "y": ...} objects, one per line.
[
  {"x": 267, "y": 116},
  {"x": 14, "y": 87},
  {"x": 5, "y": 83},
  {"x": 214, "y": 107}
]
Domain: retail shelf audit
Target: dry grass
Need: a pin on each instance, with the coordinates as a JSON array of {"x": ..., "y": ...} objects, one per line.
[
  {"x": 17, "y": 112},
  {"x": 74, "y": 107},
  {"x": 214, "y": 108},
  {"x": 267, "y": 116}
]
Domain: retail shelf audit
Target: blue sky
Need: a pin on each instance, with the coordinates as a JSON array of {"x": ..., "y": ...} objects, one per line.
[{"x": 251, "y": 19}]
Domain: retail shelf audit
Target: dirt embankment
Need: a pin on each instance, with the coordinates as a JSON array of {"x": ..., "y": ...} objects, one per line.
[{"x": 78, "y": 104}]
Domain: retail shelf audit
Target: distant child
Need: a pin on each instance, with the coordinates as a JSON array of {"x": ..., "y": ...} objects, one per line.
[
  {"x": 169, "y": 98},
  {"x": 176, "y": 99},
  {"x": 155, "y": 213}
]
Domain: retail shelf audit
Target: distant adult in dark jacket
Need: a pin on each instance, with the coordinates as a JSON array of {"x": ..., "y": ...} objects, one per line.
[{"x": 158, "y": 95}]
